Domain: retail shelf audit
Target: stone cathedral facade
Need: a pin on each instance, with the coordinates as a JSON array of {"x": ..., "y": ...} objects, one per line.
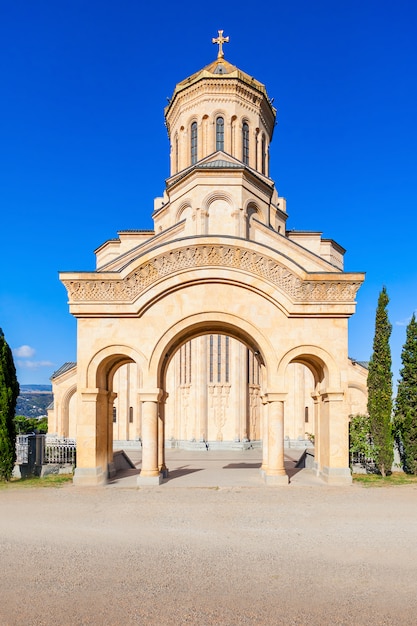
[{"x": 218, "y": 328}]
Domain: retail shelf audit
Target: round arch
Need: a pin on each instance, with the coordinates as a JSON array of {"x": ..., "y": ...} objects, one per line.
[
  {"x": 319, "y": 361},
  {"x": 103, "y": 365},
  {"x": 184, "y": 207},
  {"x": 202, "y": 324},
  {"x": 65, "y": 408}
]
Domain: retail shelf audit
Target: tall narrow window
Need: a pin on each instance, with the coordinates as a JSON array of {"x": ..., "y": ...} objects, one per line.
[
  {"x": 176, "y": 154},
  {"x": 219, "y": 133},
  {"x": 263, "y": 147},
  {"x": 131, "y": 415},
  {"x": 193, "y": 143},
  {"x": 114, "y": 415},
  {"x": 245, "y": 143}
]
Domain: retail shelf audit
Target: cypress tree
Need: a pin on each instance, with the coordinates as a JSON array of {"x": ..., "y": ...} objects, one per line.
[
  {"x": 9, "y": 390},
  {"x": 380, "y": 389},
  {"x": 405, "y": 419}
]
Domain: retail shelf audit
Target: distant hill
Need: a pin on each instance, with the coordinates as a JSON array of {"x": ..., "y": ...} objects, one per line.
[
  {"x": 37, "y": 388},
  {"x": 33, "y": 400}
]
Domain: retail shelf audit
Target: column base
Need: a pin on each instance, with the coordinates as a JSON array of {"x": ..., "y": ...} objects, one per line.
[
  {"x": 336, "y": 475},
  {"x": 275, "y": 480},
  {"x": 147, "y": 481},
  {"x": 89, "y": 477}
]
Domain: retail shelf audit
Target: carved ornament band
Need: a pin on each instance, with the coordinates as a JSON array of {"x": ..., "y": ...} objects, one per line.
[{"x": 126, "y": 290}]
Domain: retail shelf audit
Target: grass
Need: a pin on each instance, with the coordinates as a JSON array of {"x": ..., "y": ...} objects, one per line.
[
  {"x": 53, "y": 480},
  {"x": 375, "y": 480}
]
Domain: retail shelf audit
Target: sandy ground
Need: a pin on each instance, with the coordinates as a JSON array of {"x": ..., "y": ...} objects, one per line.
[{"x": 229, "y": 555}]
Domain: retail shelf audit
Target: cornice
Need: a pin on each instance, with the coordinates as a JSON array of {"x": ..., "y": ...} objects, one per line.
[{"x": 333, "y": 287}]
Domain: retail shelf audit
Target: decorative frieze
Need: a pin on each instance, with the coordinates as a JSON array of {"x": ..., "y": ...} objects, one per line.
[{"x": 325, "y": 288}]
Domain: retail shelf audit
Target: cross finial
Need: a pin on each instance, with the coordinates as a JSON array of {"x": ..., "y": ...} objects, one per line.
[{"x": 220, "y": 40}]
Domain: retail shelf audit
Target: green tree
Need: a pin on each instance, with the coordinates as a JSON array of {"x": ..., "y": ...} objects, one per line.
[
  {"x": 380, "y": 389},
  {"x": 26, "y": 425},
  {"x": 359, "y": 437},
  {"x": 9, "y": 390},
  {"x": 405, "y": 417}
]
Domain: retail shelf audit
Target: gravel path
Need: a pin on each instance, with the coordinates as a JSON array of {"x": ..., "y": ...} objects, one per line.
[{"x": 229, "y": 556}]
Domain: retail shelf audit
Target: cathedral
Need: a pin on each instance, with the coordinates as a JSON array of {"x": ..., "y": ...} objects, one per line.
[{"x": 219, "y": 328}]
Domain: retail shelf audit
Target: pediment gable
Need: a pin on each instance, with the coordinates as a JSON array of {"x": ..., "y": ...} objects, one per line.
[{"x": 218, "y": 161}]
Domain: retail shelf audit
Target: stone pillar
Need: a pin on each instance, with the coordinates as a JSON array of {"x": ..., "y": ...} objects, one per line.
[
  {"x": 111, "y": 396},
  {"x": 184, "y": 158},
  {"x": 259, "y": 151},
  {"x": 316, "y": 431},
  {"x": 161, "y": 436},
  {"x": 228, "y": 136},
  {"x": 234, "y": 129},
  {"x": 334, "y": 439},
  {"x": 275, "y": 473},
  {"x": 252, "y": 147},
  {"x": 238, "y": 141},
  {"x": 150, "y": 474},
  {"x": 92, "y": 438},
  {"x": 200, "y": 140},
  {"x": 264, "y": 434},
  {"x": 200, "y": 383}
]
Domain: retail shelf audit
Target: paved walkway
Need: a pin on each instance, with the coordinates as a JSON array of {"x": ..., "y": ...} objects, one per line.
[{"x": 215, "y": 468}]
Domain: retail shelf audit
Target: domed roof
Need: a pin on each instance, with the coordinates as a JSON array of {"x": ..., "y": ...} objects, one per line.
[{"x": 220, "y": 67}]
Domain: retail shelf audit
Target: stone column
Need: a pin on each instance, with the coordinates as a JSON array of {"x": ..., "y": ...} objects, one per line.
[
  {"x": 111, "y": 396},
  {"x": 264, "y": 434},
  {"x": 316, "y": 431},
  {"x": 334, "y": 439},
  {"x": 92, "y": 438},
  {"x": 200, "y": 385},
  {"x": 228, "y": 136},
  {"x": 150, "y": 474},
  {"x": 252, "y": 147},
  {"x": 238, "y": 141},
  {"x": 161, "y": 436},
  {"x": 275, "y": 473},
  {"x": 258, "y": 137}
]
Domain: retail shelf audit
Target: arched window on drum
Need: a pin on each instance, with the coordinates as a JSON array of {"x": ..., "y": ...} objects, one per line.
[
  {"x": 193, "y": 143},
  {"x": 245, "y": 143},
  {"x": 219, "y": 133}
]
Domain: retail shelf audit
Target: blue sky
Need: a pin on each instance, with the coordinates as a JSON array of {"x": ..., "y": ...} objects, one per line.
[{"x": 82, "y": 91}]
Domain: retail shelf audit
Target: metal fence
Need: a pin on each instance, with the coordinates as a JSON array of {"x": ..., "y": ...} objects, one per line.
[
  {"x": 60, "y": 451},
  {"x": 22, "y": 449},
  {"x": 363, "y": 461},
  {"x": 55, "y": 450}
]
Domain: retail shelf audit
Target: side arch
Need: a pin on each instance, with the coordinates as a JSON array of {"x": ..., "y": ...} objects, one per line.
[
  {"x": 104, "y": 363},
  {"x": 319, "y": 361},
  {"x": 65, "y": 416},
  {"x": 184, "y": 211}
]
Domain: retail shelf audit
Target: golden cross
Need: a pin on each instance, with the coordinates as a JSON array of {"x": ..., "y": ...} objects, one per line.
[{"x": 220, "y": 40}]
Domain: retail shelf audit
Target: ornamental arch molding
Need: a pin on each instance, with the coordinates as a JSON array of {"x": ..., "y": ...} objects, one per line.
[
  {"x": 184, "y": 210},
  {"x": 215, "y": 196},
  {"x": 320, "y": 362},
  {"x": 203, "y": 324},
  {"x": 65, "y": 408},
  {"x": 275, "y": 268},
  {"x": 101, "y": 368}
]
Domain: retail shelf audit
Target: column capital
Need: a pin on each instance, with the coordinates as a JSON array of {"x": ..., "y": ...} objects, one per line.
[
  {"x": 92, "y": 394},
  {"x": 332, "y": 395},
  {"x": 272, "y": 396},
  {"x": 151, "y": 395}
]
